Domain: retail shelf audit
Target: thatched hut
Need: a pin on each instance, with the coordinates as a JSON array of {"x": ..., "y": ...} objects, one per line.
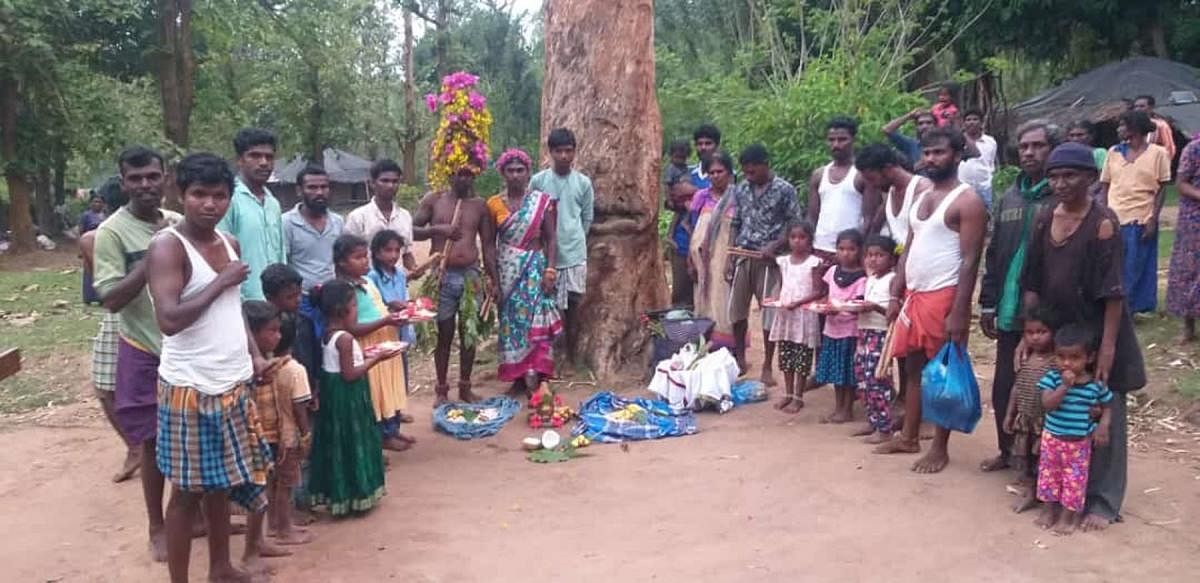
[{"x": 1102, "y": 94}]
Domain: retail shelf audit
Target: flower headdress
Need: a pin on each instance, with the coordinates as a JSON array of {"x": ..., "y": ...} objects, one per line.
[
  {"x": 512, "y": 154},
  {"x": 461, "y": 140}
]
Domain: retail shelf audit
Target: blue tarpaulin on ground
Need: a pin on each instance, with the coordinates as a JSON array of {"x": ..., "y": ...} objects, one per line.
[
  {"x": 608, "y": 418},
  {"x": 501, "y": 409}
]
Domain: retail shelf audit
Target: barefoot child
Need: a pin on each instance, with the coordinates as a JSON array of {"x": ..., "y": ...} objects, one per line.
[
  {"x": 298, "y": 337},
  {"x": 346, "y": 471},
  {"x": 1068, "y": 393},
  {"x": 282, "y": 405},
  {"x": 797, "y": 330},
  {"x": 375, "y": 326},
  {"x": 209, "y": 441},
  {"x": 845, "y": 281},
  {"x": 875, "y": 393},
  {"x": 1024, "y": 417}
]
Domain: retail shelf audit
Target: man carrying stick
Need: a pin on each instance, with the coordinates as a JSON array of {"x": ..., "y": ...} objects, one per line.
[{"x": 454, "y": 218}]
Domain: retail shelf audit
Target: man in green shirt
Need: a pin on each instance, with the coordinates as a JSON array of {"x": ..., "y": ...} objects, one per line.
[
  {"x": 120, "y": 279},
  {"x": 254, "y": 216},
  {"x": 573, "y": 192}
]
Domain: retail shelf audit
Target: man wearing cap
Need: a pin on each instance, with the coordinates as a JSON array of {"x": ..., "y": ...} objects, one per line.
[
  {"x": 1074, "y": 267},
  {"x": 1000, "y": 290}
]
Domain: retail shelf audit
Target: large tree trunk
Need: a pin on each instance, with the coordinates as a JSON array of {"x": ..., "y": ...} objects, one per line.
[
  {"x": 176, "y": 68},
  {"x": 600, "y": 84},
  {"x": 441, "y": 45},
  {"x": 43, "y": 203},
  {"x": 412, "y": 132},
  {"x": 1158, "y": 37},
  {"x": 20, "y": 221},
  {"x": 316, "y": 117}
]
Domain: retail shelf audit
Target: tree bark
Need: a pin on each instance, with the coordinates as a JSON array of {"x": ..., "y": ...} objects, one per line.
[
  {"x": 316, "y": 117},
  {"x": 442, "y": 40},
  {"x": 412, "y": 131},
  {"x": 176, "y": 68},
  {"x": 1158, "y": 37},
  {"x": 43, "y": 203},
  {"x": 600, "y": 84},
  {"x": 20, "y": 221}
]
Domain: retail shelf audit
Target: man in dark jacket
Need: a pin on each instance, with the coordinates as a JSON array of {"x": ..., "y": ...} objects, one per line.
[{"x": 1000, "y": 294}]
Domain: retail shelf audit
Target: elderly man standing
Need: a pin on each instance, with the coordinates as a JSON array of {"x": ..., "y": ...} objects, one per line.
[
  {"x": 1004, "y": 261},
  {"x": 382, "y": 212},
  {"x": 254, "y": 216},
  {"x": 310, "y": 229}
]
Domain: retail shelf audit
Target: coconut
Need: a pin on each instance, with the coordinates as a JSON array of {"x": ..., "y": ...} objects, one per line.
[
  {"x": 550, "y": 439},
  {"x": 531, "y": 443}
]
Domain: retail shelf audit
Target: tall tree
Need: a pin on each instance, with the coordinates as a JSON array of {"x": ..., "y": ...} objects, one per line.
[
  {"x": 600, "y": 83},
  {"x": 176, "y": 68},
  {"x": 412, "y": 131}
]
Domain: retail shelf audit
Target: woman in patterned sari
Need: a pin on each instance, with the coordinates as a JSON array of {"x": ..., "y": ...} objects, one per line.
[
  {"x": 712, "y": 214},
  {"x": 525, "y": 242}
]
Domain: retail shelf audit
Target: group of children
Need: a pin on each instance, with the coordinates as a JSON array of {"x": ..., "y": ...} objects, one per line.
[
  {"x": 836, "y": 313},
  {"x": 854, "y": 295},
  {"x": 333, "y": 367}
]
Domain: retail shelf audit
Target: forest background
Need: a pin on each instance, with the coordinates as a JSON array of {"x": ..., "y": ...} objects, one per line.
[{"x": 80, "y": 79}]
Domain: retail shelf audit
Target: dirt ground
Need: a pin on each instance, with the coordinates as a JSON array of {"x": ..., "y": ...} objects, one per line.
[{"x": 755, "y": 494}]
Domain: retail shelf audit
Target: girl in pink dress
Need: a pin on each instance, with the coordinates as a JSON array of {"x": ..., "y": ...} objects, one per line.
[
  {"x": 797, "y": 330},
  {"x": 846, "y": 281}
]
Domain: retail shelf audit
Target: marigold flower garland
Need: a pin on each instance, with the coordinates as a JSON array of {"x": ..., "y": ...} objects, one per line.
[{"x": 461, "y": 139}]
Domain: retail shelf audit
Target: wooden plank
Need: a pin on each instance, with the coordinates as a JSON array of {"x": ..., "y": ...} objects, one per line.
[{"x": 10, "y": 362}]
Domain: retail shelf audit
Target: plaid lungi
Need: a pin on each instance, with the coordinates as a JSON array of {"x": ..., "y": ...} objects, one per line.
[
  {"x": 104, "y": 353},
  {"x": 570, "y": 280},
  {"x": 212, "y": 443}
]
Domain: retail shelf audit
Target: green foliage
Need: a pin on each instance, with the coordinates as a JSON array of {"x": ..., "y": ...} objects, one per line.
[
  {"x": 790, "y": 120},
  {"x": 1003, "y": 179},
  {"x": 41, "y": 313},
  {"x": 785, "y": 70}
]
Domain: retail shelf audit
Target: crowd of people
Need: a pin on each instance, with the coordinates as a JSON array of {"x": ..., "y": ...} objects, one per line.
[
  {"x": 894, "y": 237},
  {"x": 260, "y": 356}
]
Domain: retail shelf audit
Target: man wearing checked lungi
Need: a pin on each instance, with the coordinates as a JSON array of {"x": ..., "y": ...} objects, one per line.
[{"x": 209, "y": 441}]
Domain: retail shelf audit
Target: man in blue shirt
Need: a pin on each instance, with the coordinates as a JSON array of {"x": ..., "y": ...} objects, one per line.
[
  {"x": 910, "y": 147},
  {"x": 707, "y": 139},
  {"x": 310, "y": 229},
  {"x": 254, "y": 217}
]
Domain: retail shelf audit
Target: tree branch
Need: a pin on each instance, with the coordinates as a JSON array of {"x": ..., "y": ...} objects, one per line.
[{"x": 413, "y": 8}]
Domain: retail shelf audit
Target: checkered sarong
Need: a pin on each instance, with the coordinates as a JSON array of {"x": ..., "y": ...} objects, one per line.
[
  {"x": 571, "y": 280},
  {"x": 213, "y": 443},
  {"x": 104, "y": 353}
]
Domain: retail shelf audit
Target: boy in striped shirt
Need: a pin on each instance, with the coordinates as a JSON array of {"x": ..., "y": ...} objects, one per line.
[{"x": 1069, "y": 394}]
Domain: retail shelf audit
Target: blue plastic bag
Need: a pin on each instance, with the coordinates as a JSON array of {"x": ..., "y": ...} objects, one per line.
[
  {"x": 748, "y": 391},
  {"x": 949, "y": 391}
]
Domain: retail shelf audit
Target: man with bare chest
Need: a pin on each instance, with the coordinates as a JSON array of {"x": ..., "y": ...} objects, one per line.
[
  {"x": 931, "y": 295},
  {"x": 459, "y": 226}
]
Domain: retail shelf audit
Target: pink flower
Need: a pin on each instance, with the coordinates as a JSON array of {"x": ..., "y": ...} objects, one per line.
[
  {"x": 477, "y": 101},
  {"x": 446, "y": 98},
  {"x": 431, "y": 102},
  {"x": 459, "y": 80}
]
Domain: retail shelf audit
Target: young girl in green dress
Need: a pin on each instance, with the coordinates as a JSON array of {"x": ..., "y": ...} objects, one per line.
[{"x": 346, "y": 466}]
